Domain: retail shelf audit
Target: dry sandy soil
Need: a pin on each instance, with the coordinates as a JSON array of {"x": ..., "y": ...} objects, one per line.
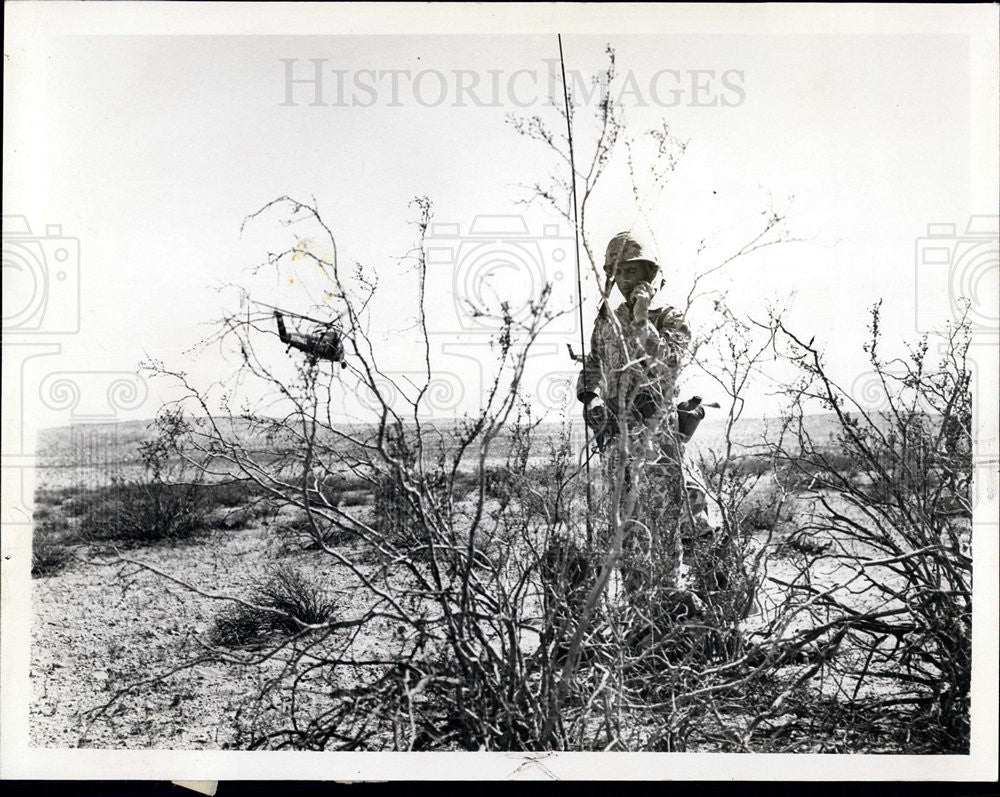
[{"x": 99, "y": 625}]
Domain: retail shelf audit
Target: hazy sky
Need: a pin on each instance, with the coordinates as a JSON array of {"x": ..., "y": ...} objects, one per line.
[{"x": 150, "y": 150}]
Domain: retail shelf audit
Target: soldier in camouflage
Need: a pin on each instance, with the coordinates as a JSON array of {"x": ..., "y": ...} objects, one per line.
[{"x": 629, "y": 388}]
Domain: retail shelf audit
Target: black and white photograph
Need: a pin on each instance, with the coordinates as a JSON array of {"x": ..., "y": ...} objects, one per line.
[{"x": 615, "y": 380}]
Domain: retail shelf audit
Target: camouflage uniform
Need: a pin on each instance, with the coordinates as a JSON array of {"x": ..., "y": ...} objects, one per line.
[{"x": 633, "y": 368}]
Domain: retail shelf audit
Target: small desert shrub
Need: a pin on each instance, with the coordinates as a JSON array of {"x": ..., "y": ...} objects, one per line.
[
  {"x": 77, "y": 502},
  {"x": 744, "y": 466},
  {"x": 312, "y": 536},
  {"x": 232, "y": 519},
  {"x": 49, "y": 553},
  {"x": 359, "y": 496},
  {"x": 159, "y": 505},
  {"x": 344, "y": 489},
  {"x": 808, "y": 542},
  {"x": 283, "y": 603},
  {"x": 42, "y": 513},
  {"x": 232, "y": 505},
  {"x": 841, "y": 461},
  {"x": 765, "y": 507},
  {"x": 229, "y": 494},
  {"x": 820, "y": 469},
  {"x": 48, "y": 557},
  {"x": 793, "y": 472},
  {"x": 396, "y": 515},
  {"x": 499, "y": 483},
  {"x": 143, "y": 512}
]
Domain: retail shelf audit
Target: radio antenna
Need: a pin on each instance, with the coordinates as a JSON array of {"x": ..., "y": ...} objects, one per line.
[{"x": 579, "y": 278}]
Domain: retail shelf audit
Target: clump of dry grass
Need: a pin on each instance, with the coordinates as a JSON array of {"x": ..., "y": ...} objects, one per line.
[
  {"x": 314, "y": 535},
  {"x": 284, "y": 603},
  {"x": 137, "y": 513},
  {"x": 765, "y": 507},
  {"x": 49, "y": 552}
]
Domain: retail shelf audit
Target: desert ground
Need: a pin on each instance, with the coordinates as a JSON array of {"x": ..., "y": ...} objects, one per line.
[{"x": 101, "y": 624}]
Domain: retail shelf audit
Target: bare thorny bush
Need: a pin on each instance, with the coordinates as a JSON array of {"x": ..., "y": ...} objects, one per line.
[
  {"x": 888, "y": 598},
  {"x": 861, "y": 637},
  {"x": 493, "y": 602},
  {"x": 456, "y": 643},
  {"x": 483, "y": 617}
]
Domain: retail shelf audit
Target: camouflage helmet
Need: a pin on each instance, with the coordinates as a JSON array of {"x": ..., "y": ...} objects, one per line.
[{"x": 626, "y": 247}]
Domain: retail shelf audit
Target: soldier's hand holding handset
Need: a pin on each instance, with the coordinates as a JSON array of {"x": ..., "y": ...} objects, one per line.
[
  {"x": 641, "y": 296},
  {"x": 598, "y": 417}
]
